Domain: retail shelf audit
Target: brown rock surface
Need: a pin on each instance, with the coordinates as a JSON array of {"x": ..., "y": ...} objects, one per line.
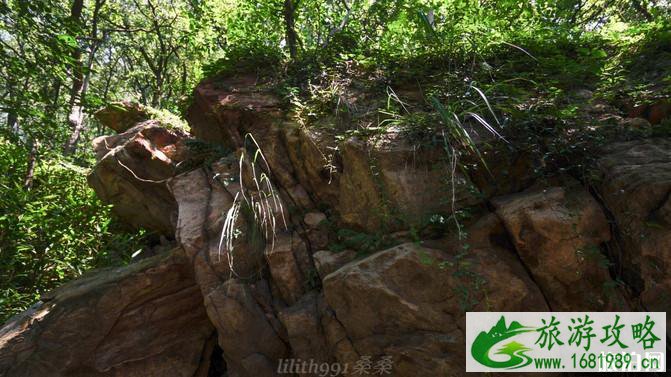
[
  {"x": 272, "y": 295},
  {"x": 204, "y": 198},
  {"x": 121, "y": 116},
  {"x": 635, "y": 185},
  {"x": 393, "y": 184},
  {"x": 654, "y": 112},
  {"x": 132, "y": 171},
  {"x": 146, "y": 319},
  {"x": 387, "y": 183},
  {"x": 328, "y": 261},
  {"x": 558, "y": 232},
  {"x": 237, "y": 112},
  {"x": 409, "y": 301},
  {"x": 316, "y": 161},
  {"x": 237, "y": 299},
  {"x": 303, "y": 322},
  {"x": 284, "y": 268},
  {"x": 248, "y": 333}
]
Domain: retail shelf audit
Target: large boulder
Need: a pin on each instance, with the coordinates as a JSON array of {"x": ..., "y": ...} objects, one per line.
[
  {"x": 146, "y": 319},
  {"x": 250, "y": 222},
  {"x": 205, "y": 198},
  {"x": 558, "y": 232},
  {"x": 315, "y": 334},
  {"x": 409, "y": 302},
  {"x": 131, "y": 174},
  {"x": 316, "y": 160},
  {"x": 121, "y": 116},
  {"x": 240, "y": 112},
  {"x": 635, "y": 182}
]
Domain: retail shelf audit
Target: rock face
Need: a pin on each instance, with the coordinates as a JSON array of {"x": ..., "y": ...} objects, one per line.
[
  {"x": 248, "y": 334},
  {"x": 385, "y": 183},
  {"x": 121, "y": 116},
  {"x": 261, "y": 275},
  {"x": 327, "y": 261},
  {"x": 146, "y": 319},
  {"x": 238, "y": 299},
  {"x": 558, "y": 232},
  {"x": 635, "y": 185},
  {"x": 409, "y": 301},
  {"x": 391, "y": 184},
  {"x": 132, "y": 171}
]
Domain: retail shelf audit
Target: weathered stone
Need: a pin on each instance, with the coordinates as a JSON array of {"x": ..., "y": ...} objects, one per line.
[
  {"x": 328, "y": 261},
  {"x": 241, "y": 112},
  {"x": 251, "y": 344},
  {"x": 558, "y": 232},
  {"x": 299, "y": 197},
  {"x": 393, "y": 184},
  {"x": 388, "y": 182},
  {"x": 319, "y": 238},
  {"x": 146, "y": 319},
  {"x": 132, "y": 172},
  {"x": 640, "y": 123},
  {"x": 260, "y": 286},
  {"x": 409, "y": 301},
  {"x": 635, "y": 185},
  {"x": 203, "y": 203},
  {"x": 313, "y": 219},
  {"x": 284, "y": 268},
  {"x": 338, "y": 341},
  {"x": 304, "y": 329},
  {"x": 316, "y": 161},
  {"x": 121, "y": 116}
]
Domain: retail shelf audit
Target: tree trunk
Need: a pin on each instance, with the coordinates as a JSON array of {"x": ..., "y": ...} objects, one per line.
[
  {"x": 158, "y": 92},
  {"x": 12, "y": 114},
  {"x": 56, "y": 95},
  {"x": 290, "y": 25},
  {"x": 32, "y": 160},
  {"x": 81, "y": 77},
  {"x": 13, "y": 122},
  {"x": 76, "y": 115}
]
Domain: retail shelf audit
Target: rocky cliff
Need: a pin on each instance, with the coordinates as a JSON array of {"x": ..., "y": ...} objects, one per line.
[{"x": 261, "y": 269}]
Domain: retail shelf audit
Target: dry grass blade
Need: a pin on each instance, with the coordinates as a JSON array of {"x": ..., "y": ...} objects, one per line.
[
  {"x": 519, "y": 48},
  {"x": 484, "y": 98},
  {"x": 484, "y": 123},
  {"x": 262, "y": 199}
]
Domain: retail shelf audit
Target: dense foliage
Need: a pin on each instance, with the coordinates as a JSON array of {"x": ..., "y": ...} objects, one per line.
[
  {"x": 62, "y": 59},
  {"x": 53, "y": 232}
]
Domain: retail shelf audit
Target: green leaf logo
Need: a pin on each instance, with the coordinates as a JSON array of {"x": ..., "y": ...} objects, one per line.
[{"x": 486, "y": 341}]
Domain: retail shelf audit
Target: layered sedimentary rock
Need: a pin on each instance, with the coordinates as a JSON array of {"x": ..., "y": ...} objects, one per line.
[
  {"x": 558, "y": 232},
  {"x": 409, "y": 302},
  {"x": 132, "y": 172},
  {"x": 635, "y": 185},
  {"x": 385, "y": 182},
  {"x": 121, "y": 116},
  {"x": 146, "y": 319},
  {"x": 261, "y": 274}
]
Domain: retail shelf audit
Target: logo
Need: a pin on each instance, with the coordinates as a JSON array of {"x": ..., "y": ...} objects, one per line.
[
  {"x": 516, "y": 342},
  {"x": 499, "y": 338}
]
